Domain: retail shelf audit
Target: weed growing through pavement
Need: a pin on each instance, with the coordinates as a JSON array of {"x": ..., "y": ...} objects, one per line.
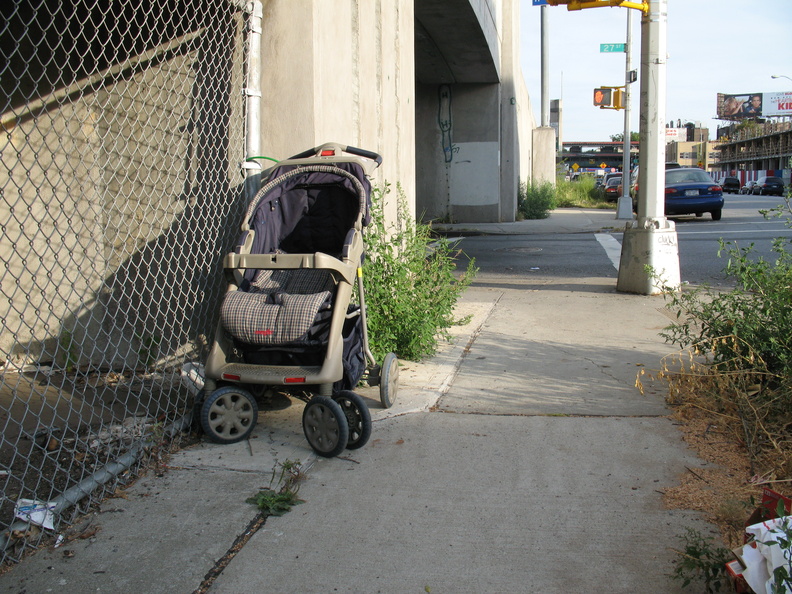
[{"x": 274, "y": 502}]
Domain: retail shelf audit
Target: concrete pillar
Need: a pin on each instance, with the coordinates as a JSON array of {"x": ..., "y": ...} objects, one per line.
[
  {"x": 544, "y": 156},
  {"x": 341, "y": 71}
]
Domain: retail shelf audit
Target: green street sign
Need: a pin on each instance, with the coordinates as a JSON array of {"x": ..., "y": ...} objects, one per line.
[{"x": 611, "y": 47}]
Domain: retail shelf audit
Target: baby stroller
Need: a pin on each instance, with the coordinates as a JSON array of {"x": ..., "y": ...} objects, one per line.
[{"x": 287, "y": 319}]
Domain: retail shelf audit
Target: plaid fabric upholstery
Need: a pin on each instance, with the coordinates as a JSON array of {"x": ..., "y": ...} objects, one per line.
[
  {"x": 300, "y": 281},
  {"x": 271, "y": 318}
]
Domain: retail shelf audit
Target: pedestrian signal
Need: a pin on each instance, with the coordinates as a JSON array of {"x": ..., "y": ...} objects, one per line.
[
  {"x": 603, "y": 97},
  {"x": 609, "y": 98}
]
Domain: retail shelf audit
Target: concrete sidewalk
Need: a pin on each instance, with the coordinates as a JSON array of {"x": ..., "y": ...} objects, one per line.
[
  {"x": 566, "y": 220},
  {"x": 521, "y": 458}
]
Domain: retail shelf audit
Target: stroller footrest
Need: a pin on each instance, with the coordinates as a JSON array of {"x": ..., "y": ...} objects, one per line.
[{"x": 270, "y": 374}]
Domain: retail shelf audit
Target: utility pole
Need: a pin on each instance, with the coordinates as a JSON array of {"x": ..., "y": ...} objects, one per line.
[
  {"x": 544, "y": 137},
  {"x": 544, "y": 31},
  {"x": 650, "y": 254}
]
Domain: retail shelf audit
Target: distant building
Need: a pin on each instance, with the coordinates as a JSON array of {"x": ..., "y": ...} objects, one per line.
[{"x": 693, "y": 154}]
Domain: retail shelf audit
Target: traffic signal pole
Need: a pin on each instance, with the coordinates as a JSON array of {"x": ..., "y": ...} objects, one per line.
[
  {"x": 650, "y": 255},
  {"x": 624, "y": 210}
]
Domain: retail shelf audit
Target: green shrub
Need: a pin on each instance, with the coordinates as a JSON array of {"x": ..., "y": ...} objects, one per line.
[
  {"x": 739, "y": 351},
  {"x": 757, "y": 313},
  {"x": 701, "y": 563},
  {"x": 582, "y": 193},
  {"x": 409, "y": 283},
  {"x": 535, "y": 201}
]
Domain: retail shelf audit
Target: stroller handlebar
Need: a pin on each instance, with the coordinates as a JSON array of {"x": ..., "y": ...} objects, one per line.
[{"x": 325, "y": 150}]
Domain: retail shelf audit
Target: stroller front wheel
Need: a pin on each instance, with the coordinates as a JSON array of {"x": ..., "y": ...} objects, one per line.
[
  {"x": 229, "y": 415},
  {"x": 325, "y": 426}
]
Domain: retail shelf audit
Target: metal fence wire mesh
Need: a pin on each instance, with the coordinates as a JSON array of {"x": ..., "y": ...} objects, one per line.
[{"x": 123, "y": 130}]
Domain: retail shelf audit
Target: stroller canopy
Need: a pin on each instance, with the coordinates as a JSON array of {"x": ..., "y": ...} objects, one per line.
[{"x": 307, "y": 209}]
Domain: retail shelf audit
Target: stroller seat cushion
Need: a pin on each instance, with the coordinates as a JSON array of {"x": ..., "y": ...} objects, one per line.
[{"x": 271, "y": 318}]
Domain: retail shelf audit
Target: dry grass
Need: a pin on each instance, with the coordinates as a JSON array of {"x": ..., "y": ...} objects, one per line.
[{"x": 737, "y": 422}]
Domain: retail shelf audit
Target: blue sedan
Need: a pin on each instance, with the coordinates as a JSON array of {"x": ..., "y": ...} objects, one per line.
[{"x": 692, "y": 191}]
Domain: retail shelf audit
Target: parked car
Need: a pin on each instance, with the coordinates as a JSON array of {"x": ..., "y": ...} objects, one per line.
[
  {"x": 689, "y": 190},
  {"x": 768, "y": 186},
  {"x": 748, "y": 187},
  {"x": 634, "y": 177},
  {"x": 731, "y": 185},
  {"x": 613, "y": 188}
]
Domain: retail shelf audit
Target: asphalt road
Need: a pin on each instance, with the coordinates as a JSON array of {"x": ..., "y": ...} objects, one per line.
[
  {"x": 533, "y": 257},
  {"x": 741, "y": 223}
]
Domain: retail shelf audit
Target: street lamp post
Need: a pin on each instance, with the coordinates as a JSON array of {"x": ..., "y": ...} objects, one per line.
[{"x": 780, "y": 76}]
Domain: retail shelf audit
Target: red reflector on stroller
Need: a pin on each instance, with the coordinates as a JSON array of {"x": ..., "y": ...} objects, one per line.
[
  {"x": 231, "y": 377},
  {"x": 327, "y": 153},
  {"x": 294, "y": 380}
]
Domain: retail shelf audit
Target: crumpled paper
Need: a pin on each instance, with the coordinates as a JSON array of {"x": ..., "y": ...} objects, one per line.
[
  {"x": 193, "y": 377},
  {"x": 762, "y": 559},
  {"x": 36, "y": 512}
]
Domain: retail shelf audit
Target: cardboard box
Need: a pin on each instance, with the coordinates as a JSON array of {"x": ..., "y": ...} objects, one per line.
[
  {"x": 734, "y": 570},
  {"x": 768, "y": 509}
]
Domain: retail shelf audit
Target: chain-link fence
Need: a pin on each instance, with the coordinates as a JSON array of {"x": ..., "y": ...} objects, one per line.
[{"x": 123, "y": 129}]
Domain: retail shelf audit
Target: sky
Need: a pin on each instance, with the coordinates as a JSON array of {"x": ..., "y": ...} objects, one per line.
[{"x": 726, "y": 46}]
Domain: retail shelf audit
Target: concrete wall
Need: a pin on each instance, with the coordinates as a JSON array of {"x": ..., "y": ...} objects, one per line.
[
  {"x": 114, "y": 185},
  {"x": 473, "y": 119},
  {"x": 143, "y": 157},
  {"x": 341, "y": 71},
  {"x": 458, "y": 152},
  {"x": 451, "y": 119}
]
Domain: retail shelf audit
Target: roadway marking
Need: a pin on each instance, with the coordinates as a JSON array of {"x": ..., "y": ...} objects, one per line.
[
  {"x": 611, "y": 246},
  {"x": 721, "y": 233}
]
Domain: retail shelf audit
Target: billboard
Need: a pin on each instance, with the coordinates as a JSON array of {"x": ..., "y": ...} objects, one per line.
[
  {"x": 676, "y": 134},
  {"x": 754, "y": 105}
]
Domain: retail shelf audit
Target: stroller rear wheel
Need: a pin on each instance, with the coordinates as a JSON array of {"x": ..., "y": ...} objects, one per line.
[
  {"x": 229, "y": 414},
  {"x": 357, "y": 416},
  {"x": 389, "y": 380},
  {"x": 325, "y": 426}
]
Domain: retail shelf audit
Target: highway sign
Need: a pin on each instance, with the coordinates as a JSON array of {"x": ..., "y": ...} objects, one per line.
[{"x": 611, "y": 47}]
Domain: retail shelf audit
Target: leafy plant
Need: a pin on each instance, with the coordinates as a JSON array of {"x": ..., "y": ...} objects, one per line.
[
  {"x": 740, "y": 350},
  {"x": 757, "y": 312},
  {"x": 277, "y": 503},
  {"x": 409, "y": 282},
  {"x": 701, "y": 561},
  {"x": 274, "y": 503},
  {"x": 148, "y": 346},
  {"x": 67, "y": 346},
  {"x": 535, "y": 201}
]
